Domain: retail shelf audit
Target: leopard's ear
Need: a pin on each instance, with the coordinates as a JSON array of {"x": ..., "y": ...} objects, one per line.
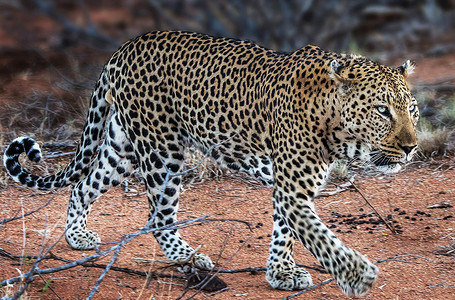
[
  {"x": 341, "y": 79},
  {"x": 406, "y": 69}
]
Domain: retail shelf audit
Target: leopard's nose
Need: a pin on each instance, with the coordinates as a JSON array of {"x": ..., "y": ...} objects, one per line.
[{"x": 407, "y": 149}]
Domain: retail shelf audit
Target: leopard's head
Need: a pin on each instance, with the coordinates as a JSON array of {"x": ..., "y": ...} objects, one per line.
[{"x": 377, "y": 111}]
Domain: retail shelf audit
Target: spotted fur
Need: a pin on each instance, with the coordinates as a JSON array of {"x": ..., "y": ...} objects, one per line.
[{"x": 284, "y": 119}]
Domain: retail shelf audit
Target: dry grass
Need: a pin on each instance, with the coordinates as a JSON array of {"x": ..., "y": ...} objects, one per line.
[
  {"x": 340, "y": 171},
  {"x": 45, "y": 116},
  {"x": 437, "y": 123},
  {"x": 436, "y": 142},
  {"x": 3, "y": 175},
  {"x": 209, "y": 169},
  {"x": 8, "y": 291}
]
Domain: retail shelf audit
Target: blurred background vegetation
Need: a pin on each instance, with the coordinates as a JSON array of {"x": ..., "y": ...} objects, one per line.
[{"x": 51, "y": 52}]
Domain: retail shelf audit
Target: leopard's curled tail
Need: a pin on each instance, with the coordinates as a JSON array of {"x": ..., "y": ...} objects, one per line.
[{"x": 79, "y": 165}]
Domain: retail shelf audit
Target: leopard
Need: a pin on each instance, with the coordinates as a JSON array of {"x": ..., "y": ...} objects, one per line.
[{"x": 283, "y": 118}]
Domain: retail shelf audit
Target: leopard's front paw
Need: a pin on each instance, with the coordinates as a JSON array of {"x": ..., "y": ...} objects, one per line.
[
  {"x": 357, "y": 275},
  {"x": 292, "y": 279},
  {"x": 82, "y": 239},
  {"x": 203, "y": 261},
  {"x": 198, "y": 260}
]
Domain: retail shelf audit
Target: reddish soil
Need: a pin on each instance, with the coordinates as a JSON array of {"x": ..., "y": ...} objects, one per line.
[{"x": 404, "y": 196}]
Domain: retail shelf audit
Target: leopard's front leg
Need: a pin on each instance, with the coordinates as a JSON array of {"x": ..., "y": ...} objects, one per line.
[{"x": 295, "y": 215}]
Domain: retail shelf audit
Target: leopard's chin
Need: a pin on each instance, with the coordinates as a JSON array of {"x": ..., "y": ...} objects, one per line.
[{"x": 390, "y": 168}]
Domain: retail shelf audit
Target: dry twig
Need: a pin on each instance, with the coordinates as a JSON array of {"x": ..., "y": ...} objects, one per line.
[
  {"x": 28, "y": 213},
  {"x": 392, "y": 229}
]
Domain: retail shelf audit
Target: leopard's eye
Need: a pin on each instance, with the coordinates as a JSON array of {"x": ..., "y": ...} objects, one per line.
[
  {"x": 383, "y": 110},
  {"x": 412, "y": 108}
]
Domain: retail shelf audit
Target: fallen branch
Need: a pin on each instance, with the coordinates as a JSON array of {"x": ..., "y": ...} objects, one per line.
[
  {"x": 252, "y": 270},
  {"x": 51, "y": 255},
  {"x": 443, "y": 284},
  {"x": 98, "y": 255}
]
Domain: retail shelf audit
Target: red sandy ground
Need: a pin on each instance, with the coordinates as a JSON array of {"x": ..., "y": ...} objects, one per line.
[{"x": 428, "y": 276}]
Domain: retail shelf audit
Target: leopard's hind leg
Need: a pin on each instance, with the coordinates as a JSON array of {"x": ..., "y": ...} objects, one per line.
[{"x": 115, "y": 161}]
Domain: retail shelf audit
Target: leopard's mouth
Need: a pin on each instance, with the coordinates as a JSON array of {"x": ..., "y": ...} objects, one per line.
[{"x": 386, "y": 164}]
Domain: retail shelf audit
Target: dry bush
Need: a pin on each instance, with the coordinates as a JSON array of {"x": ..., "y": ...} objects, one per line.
[
  {"x": 340, "y": 171},
  {"x": 45, "y": 116},
  {"x": 436, "y": 142},
  {"x": 209, "y": 169},
  {"x": 437, "y": 123}
]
